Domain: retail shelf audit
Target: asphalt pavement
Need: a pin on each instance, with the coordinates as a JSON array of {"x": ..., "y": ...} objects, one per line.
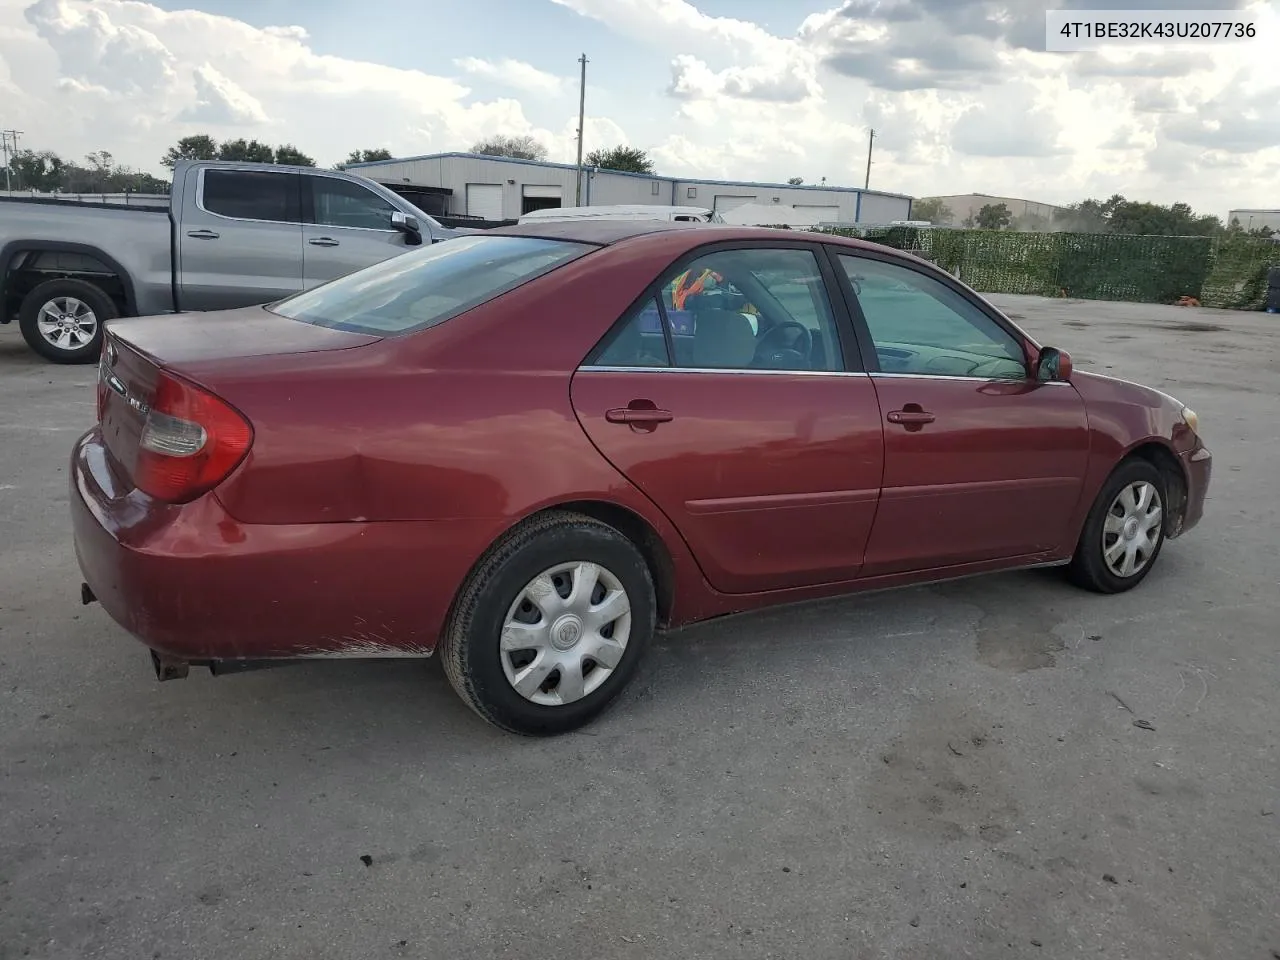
[{"x": 941, "y": 772}]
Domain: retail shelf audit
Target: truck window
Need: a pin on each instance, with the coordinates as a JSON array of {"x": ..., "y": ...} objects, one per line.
[
  {"x": 251, "y": 195},
  {"x": 341, "y": 203}
]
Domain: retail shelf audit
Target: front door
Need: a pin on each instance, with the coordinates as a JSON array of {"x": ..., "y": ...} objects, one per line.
[
  {"x": 982, "y": 462},
  {"x": 729, "y": 399},
  {"x": 350, "y": 229}
]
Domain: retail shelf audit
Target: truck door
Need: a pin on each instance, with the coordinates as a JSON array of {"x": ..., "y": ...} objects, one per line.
[
  {"x": 349, "y": 228},
  {"x": 239, "y": 238}
]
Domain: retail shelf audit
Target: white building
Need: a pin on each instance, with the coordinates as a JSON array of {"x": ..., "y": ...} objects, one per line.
[
  {"x": 501, "y": 188},
  {"x": 1255, "y": 219}
]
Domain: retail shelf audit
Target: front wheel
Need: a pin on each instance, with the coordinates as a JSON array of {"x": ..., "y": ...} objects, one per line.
[
  {"x": 62, "y": 320},
  {"x": 1124, "y": 531},
  {"x": 551, "y": 625}
]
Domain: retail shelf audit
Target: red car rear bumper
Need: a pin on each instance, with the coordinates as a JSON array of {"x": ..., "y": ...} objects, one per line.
[{"x": 195, "y": 583}]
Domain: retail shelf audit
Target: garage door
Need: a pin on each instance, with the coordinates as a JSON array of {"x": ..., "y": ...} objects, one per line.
[
  {"x": 724, "y": 201},
  {"x": 820, "y": 212},
  {"x": 484, "y": 200},
  {"x": 552, "y": 192}
]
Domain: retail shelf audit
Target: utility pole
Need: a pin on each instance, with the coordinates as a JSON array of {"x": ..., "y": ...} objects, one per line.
[
  {"x": 5, "y": 137},
  {"x": 582, "y": 113},
  {"x": 867, "y": 183}
]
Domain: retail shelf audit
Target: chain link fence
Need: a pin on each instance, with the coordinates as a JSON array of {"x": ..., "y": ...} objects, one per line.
[{"x": 1228, "y": 272}]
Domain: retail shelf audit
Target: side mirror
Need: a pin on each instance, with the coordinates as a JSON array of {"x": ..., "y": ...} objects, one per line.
[
  {"x": 1053, "y": 365},
  {"x": 407, "y": 225}
]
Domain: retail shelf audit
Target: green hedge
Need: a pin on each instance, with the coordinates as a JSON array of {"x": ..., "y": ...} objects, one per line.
[{"x": 1225, "y": 272}]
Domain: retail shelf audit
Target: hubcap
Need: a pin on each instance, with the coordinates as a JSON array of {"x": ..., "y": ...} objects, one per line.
[
  {"x": 67, "y": 323},
  {"x": 565, "y": 633},
  {"x": 1132, "y": 529}
]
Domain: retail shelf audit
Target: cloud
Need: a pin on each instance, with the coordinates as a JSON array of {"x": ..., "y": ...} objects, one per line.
[
  {"x": 1172, "y": 65},
  {"x": 513, "y": 73},
  {"x": 692, "y": 79},
  {"x": 221, "y": 102},
  {"x": 97, "y": 53},
  {"x": 1007, "y": 130},
  {"x": 757, "y": 65},
  {"x": 133, "y": 78},
  {"x": 960, "y": 93}
]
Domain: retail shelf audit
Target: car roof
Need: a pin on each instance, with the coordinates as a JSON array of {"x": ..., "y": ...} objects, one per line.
[{"x": 604, "y": 232}]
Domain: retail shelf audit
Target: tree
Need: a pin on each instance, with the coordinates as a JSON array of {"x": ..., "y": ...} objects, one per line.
[
  {"x": 367, "y": 156},
  {"x": 41, "y": 171},
  {"x": 994, "y": 216},
  {"x": 519, "y": 148},
  {"x": 622, "y": 158},
  {"x": 288, "y": 153},
  {"x": 199, "y": 146},
  {"x": 931, "y": 209},
  {"x": 795, "y": 181},
  {"x": 246, "y": 151}
]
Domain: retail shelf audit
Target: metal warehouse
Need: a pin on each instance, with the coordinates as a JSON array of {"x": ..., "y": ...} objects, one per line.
[{"x": 502, "y": 188}]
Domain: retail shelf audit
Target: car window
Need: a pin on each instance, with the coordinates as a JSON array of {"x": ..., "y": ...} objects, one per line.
[
  {"x": 752, "y": 309},
  {"x": 341, "y": 203},
  {"x": 921, "y": 326},
  {"x": 638, "y": 342},
  {"x": 429, "y": 285},
  {"x": 251, "y": 195}
]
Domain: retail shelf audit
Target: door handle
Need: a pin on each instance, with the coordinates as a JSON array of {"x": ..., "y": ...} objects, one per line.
[
  {"x": 910, "y": 416},
  {"x": 323, "y": 242},
  {"x": 638, "y": 415},
  {"x": 202, "y": 235}
]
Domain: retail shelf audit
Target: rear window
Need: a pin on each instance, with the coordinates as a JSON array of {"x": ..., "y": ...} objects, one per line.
[{"x": 416, "y": 290}]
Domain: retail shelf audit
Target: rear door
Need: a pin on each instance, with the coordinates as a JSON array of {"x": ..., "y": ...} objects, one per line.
[
  {"x": 240, "y": 238},
  {"x": 982, "y": 461},
  {"x": 742, "y": 411},
  {"x": 348, "y": 228}
]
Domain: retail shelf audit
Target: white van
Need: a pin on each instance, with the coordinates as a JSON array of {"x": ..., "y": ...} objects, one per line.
[{"x": 623, "y": 211}]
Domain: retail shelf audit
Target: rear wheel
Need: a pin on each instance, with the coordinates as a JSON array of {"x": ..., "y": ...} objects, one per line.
[
  {"x": 62, "y": 320},
  {"x": 551, "y": 625},
  {"x": 1124, "y": 531}
]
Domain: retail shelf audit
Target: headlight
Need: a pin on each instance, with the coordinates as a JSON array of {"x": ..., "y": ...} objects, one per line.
[{"x": 1190, "y": 419}]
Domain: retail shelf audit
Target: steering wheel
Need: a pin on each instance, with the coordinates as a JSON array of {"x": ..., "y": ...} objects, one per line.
[{"x": 798, "y": 351}]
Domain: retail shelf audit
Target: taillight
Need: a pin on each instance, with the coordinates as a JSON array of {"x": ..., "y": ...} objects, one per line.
[
  {"x": 104, "y": 371},
  {"x": 191, "y": 440}
]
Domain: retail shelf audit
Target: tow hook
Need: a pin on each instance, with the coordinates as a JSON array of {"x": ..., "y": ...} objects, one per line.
[{"x": 86, "y": 595}]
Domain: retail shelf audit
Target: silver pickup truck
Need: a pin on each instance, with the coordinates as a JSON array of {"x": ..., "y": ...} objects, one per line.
[{"x": 234, "y": 234}]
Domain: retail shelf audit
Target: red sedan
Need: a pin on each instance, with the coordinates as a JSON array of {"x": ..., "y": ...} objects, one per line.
[{"x": 514, "y": 447}]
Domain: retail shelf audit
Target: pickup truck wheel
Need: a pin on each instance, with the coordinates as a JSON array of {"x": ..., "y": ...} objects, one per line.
[{"x": 62, "y": 320}]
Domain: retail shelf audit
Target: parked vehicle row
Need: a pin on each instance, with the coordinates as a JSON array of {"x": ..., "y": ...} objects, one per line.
[
  {"x": 530, "y": 448},
  {"x": 234, "y": 234}
]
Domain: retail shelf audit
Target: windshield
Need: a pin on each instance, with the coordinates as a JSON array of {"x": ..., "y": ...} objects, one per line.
[{"x": 416, "y": 290}]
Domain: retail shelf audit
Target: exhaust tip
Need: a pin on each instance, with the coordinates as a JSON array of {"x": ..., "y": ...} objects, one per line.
[
  {"x": 86, "y": 595},
  {"x": 169, "y": 668}
]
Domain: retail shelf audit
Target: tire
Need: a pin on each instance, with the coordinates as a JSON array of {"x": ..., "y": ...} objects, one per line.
[
  {"x": 1089, "y": 567},
  {"x": 87, "y": 303},
  {"x": 494, "y": 602}
]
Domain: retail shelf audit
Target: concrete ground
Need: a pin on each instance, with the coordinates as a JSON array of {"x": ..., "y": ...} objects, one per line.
[{"x": 952, "y": 771}]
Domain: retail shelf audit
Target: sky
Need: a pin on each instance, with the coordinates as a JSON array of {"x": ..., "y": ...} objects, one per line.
[{"x": 961, "y": 93}]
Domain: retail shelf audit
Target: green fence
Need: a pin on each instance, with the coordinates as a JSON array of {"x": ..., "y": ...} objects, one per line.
[{"x": 1225, "y": 272}]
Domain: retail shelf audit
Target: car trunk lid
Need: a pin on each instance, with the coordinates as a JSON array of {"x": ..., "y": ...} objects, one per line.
[{"x": 138, "y": 352}]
